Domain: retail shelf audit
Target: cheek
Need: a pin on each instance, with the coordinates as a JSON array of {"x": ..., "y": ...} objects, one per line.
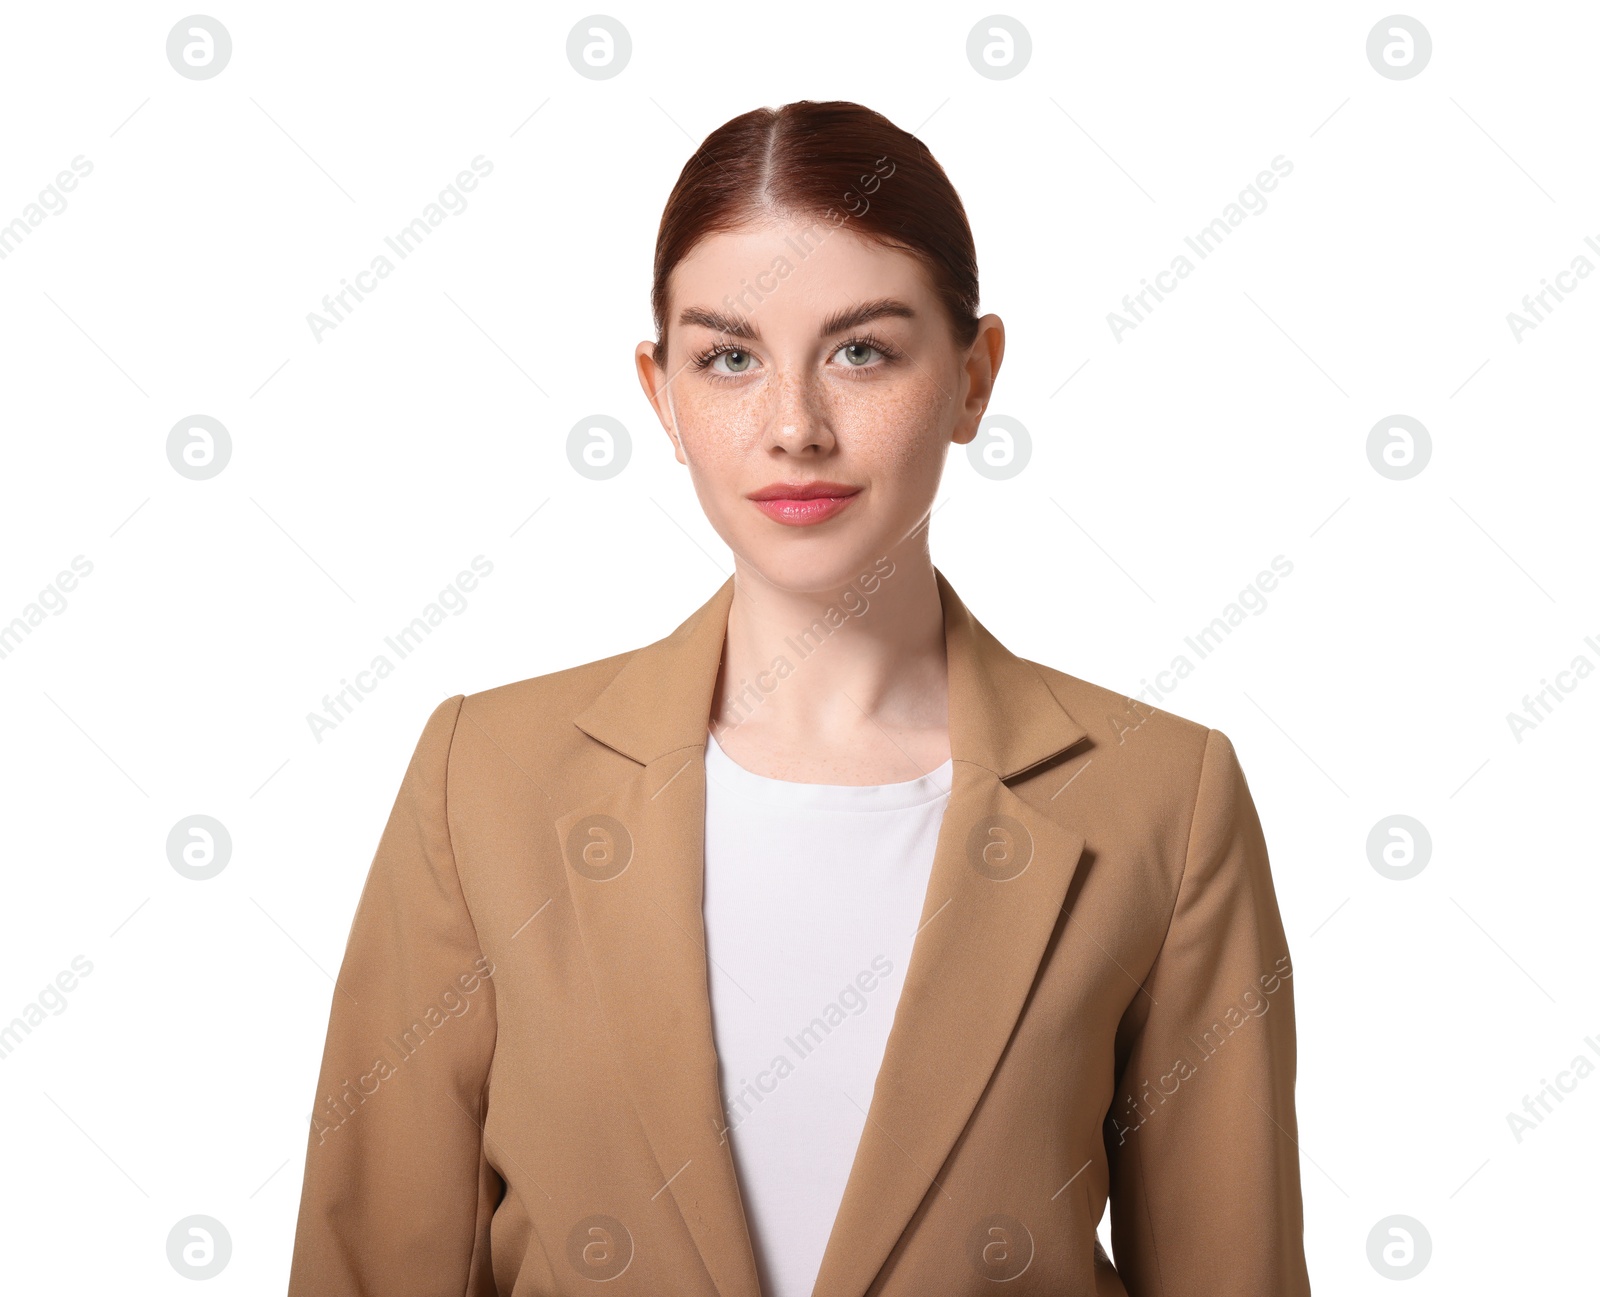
[
  {"x": 716, "y": 428},
  {"x": 898, "y": 427}
]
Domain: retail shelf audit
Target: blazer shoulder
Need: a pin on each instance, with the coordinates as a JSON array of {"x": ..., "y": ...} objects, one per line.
[{"x": 1150, "y": 774}]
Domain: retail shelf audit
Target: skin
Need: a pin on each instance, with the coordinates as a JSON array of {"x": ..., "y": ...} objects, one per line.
[{"x": 870, "y": 704}]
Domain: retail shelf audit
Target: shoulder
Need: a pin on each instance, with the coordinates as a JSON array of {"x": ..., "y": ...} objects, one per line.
[
  {"x": 1145, "y": 783},
  {"x": 523, "y": 729},
  {"x": 548, "y": 700},
  {"x": 1141, "y": 749}
]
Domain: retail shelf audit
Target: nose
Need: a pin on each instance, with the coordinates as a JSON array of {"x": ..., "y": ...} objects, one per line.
[{"x": 799, "y": 419}]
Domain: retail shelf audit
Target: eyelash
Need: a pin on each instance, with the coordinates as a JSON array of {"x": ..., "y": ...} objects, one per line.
[{"x": 705, "y": 359}]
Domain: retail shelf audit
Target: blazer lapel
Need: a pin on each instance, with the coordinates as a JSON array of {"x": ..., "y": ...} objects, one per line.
[{"x": 635, "y": 869}]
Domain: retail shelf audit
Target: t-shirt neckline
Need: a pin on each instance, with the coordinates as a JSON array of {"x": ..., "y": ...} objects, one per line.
[{"x": 832, "y": 797}]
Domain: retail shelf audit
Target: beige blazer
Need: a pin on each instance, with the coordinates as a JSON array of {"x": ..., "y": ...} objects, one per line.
[{"x": 519, "y": 1091}]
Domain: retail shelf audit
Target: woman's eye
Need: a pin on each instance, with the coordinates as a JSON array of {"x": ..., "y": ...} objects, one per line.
[
  {"x": 858, "y": 353},
  {"x": 738, "y": 361}
]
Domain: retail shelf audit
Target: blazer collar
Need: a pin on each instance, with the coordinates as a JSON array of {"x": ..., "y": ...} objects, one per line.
[
  {"x": 1003, "y": 716},
  {"x": 634, "y": 856}
]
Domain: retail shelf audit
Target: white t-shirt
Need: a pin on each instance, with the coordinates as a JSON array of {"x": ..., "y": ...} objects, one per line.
[{"x": 813, "y": 893}]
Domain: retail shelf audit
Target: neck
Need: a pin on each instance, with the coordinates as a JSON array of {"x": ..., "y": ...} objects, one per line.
[{"x": 847, "y": 678}]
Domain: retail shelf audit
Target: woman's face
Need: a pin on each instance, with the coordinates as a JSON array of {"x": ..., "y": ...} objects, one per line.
[{"x": 802, "y": 357}]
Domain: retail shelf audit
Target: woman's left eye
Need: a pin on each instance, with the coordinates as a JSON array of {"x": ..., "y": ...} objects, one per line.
[{"x": 853, "y": 353}]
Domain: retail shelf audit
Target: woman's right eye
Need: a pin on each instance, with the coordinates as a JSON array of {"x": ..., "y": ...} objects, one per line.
[{"x": 739, "y": 362}]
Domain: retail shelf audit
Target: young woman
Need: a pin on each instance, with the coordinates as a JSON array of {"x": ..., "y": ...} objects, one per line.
[{"x": 823, "y": 945}]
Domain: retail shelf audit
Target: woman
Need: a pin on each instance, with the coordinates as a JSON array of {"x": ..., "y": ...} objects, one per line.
[{"x": 824, "y": 941}]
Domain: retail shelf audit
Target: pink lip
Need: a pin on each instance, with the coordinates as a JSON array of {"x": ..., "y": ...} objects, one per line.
[{"x": 803, "y": 504}]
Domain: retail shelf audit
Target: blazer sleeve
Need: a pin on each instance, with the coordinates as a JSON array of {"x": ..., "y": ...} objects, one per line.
[
  {"x": 1201, "y": 1138},
  {"x": 397, "y": 1192}
]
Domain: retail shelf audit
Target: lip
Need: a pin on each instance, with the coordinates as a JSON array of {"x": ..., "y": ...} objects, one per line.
[{"x": 802, "y": 504}]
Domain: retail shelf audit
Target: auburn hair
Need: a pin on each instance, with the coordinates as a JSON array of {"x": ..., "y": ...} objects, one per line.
[{"x": 840, "y": 164}]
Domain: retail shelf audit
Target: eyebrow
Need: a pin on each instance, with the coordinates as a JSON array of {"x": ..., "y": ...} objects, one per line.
[{"x": 850, "y": 317}]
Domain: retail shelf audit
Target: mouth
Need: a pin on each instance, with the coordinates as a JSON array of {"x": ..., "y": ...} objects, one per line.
[{"x": 802, "y": 504}]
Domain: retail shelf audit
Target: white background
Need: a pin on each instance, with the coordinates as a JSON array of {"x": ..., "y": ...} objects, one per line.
[{"x": 430, "y": 426}]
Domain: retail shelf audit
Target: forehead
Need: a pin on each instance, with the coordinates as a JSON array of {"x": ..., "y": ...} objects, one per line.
[{"x": 818, "y": 264}]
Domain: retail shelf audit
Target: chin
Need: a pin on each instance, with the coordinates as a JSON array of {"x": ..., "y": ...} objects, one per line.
[{"x": 815, "y": 565}]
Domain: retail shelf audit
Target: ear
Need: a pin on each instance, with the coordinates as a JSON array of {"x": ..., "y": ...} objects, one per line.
[
  {"x": 980, "y": 367},
  {"x": 653, "y": 379}
]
